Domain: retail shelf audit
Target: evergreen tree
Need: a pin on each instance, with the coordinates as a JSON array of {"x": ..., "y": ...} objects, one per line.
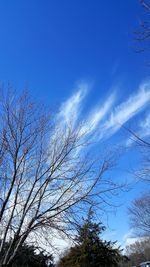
[
  {"x": 90, "y": 250},
  {"x": 28, "y": 257}
]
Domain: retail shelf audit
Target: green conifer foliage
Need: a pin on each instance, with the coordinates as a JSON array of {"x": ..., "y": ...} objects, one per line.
[{"x": 90, "y": 250}]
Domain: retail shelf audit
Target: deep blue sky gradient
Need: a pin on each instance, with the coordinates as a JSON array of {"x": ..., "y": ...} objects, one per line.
[{"x": 49, "y": 45}]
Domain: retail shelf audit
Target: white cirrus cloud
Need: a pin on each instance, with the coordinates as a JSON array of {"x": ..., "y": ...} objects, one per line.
[
  {"x": 103, "y": 121},
  {"x": 143, "y": 131},
  {"x": 70, "y": 109},
  {"x": 98, "y": 114},
  {"x": 127, "y": 110},
  {"x": 145, "y": 126}
]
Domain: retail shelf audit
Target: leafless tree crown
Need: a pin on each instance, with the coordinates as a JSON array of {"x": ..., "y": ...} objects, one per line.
[
  {"x": 44, "y": 174},
  {"x": 140, "y": 215}
]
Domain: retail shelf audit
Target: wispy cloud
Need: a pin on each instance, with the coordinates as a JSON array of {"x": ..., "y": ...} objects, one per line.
[
  {"x": 128, "y": 239},
  {"x": 97, "y": 115},
  {"x": 128, "y": 109},
  {"x": 146, "y": 123},
  {"x": 142, "y": 131},
  {"x": 70, "y": 109},
  {"x": 145, "y": 126},
  {"x": 106, "y": 119}
]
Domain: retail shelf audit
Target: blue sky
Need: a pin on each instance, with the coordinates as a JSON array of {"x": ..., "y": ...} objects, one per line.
[{"x": 79, "y": 57}]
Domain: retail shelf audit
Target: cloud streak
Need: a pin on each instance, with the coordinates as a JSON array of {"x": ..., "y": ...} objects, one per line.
[
  {"x": 104, "y": 121},
  {"x": 127, "y": 110},
  {"x": 143, "y": 130},
  {"x": 97, "y": 115},
  {"x": 145, "y": 127},
  {"x": 70, "y": 109}
]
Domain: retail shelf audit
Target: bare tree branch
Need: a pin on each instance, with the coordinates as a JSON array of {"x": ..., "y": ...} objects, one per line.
[{"x": 45, "y": 174}]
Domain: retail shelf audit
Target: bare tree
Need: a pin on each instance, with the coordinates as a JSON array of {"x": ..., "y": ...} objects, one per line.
[
  {"x": 138, "y": 252},
  {"x": 142, "y": 35},
  {"x": 145, "y": 4},
  {"x": 140, "y": 214},
  {"x": 139, "y": 211},
  {"x": 142, "y": 146},
  {"x": 45, "y": 175}
]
